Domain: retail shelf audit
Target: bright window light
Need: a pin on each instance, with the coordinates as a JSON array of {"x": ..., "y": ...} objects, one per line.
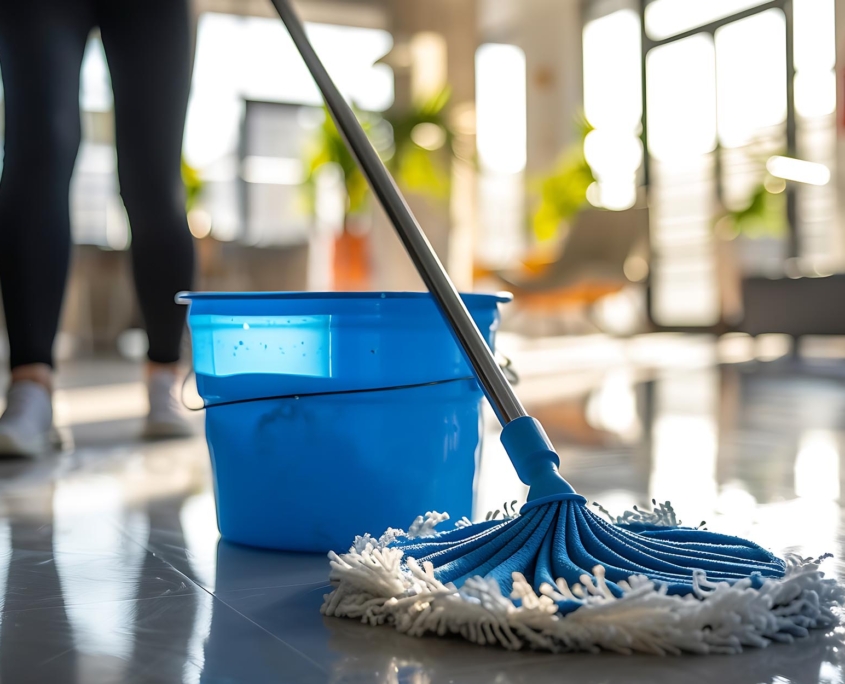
[
  {"x": 814, "y": 37},
  {"x": 609, "y": 150},
  {"x": 612, "y": 83},
  {"x": 613, "y": 105},
  {"x": 613, "y": 406},
  {"x": 685, "y": 423},
  {"x": 92, "y": 511},
  {"x": 428, "y": 135},
  {"x": 501, "y": 107},
  {"x": 619, "y": 193},
  {"x": 750, "y": 68},
  {"x": 95, "y": 94},
  {"x": 428, "y": 65},
  {"x": 815, "y": 58},
  {"x": 664, "y": 18},
  {"x": 798, "y": 170},
  {"x": 817, "y": 466},
  {"x": 273, "y": 170},
  {"x": 253, "y": 58},
  {"x": 815, "y": 93},
  {"x": 681, "y": 106},
  {"x": 614, "y": 157},
  {"x": 199, "y": 223}
]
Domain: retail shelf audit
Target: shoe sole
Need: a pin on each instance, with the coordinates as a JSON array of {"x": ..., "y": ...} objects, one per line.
[
  {"x": 15, "y": 448},
  {"x": 153, "y": 431}
]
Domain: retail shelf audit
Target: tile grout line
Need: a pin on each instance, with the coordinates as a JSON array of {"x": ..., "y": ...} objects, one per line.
[
  {"x": 279, "y": 639},
  {"x": 217, "y": 598}
]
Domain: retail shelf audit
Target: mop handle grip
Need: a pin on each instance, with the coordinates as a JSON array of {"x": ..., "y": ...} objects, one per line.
[{"x": 493, "y": 381}]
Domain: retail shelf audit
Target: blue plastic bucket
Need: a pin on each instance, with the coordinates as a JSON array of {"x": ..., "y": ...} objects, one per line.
[{"x": 334, "y": 414}]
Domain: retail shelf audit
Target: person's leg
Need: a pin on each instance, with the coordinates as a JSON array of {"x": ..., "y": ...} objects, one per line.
[
  {"x": 41, "y": 47},
  {"x": 148, "y": 47}
]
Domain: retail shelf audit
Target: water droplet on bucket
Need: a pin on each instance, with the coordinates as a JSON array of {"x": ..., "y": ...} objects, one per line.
[
  {"x": 240, "y": 342},
  {"x": 246, "y": 326}
]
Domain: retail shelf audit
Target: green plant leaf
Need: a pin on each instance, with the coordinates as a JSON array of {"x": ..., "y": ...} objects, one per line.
[
  {"x": 763, "y": 216},
  {"x": 563, "y": 192},
  {"x": 327, "y": 147},
  {"x": 426, "y": 172},
  {"x": 194, "y": 184}
]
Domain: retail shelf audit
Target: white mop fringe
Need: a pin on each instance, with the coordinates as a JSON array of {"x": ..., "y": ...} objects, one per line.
[{"x": 380, "y": 586}]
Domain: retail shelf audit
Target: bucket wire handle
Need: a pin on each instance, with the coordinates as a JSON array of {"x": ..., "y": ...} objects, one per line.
[
  {"x": 506, "y": 365},
  {"x": 367, "y": 390},
  {"x": 504, "y": 361},
  {"x": 190, "y": 376},
  {"x": 346, "y": 392}
]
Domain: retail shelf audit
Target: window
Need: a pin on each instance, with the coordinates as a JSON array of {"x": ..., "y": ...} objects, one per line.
[
  {"x": 718, "y": 109},
  {"x": 237, "y": 59},
  {"x": 613, "y": 106},
  {"x": 241, "y": 59},
  {"x": 500, "y": 102}
]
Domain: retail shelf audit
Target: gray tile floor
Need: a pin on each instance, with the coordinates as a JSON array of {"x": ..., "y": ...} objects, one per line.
[{"x": 111, "y": 569}]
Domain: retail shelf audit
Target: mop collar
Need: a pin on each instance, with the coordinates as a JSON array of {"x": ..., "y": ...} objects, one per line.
[{"x": 577, "y": 498}]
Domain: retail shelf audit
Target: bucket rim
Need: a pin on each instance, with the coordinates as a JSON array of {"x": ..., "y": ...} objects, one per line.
[{"x": 472, "y": 298}]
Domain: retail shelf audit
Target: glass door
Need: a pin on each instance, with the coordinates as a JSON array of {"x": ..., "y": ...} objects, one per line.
[{"x": 735, "y": 92}]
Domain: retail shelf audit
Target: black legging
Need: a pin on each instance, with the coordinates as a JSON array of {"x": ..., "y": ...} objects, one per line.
[{"x": 148, "y": 47}]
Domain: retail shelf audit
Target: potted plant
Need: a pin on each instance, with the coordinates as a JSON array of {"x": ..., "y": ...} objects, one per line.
[
  {"x": 415, "y": 144},
  {"x": 561, "y": 195},
  {"x": 563, "y": 191},
  {"x": 351, "y": 249},
  {"x": 423, "y": 147}
]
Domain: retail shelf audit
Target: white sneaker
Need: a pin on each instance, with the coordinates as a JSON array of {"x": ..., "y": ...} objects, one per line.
[
  {"x": 26, "y": 426},
  {"x": 167, "y": 417}
]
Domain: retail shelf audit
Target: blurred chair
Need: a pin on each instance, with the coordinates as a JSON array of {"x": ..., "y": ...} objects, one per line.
[
  {"x": 604, "y": 252},
  {"x": 794, "y": 306}
]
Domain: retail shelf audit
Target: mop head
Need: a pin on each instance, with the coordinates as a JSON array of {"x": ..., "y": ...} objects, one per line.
[{"x": 560, "y": 578}]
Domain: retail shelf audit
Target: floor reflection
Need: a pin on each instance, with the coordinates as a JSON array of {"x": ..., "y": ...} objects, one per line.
[
  {"x": 754, "y": 448},
  {"x": 111, "y": 568},
  {"x": 27, "y": 562},
  {"x": 183, "y": 625}
]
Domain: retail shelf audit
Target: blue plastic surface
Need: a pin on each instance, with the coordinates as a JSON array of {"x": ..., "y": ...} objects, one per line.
[
  {"x": 276, "y": 343},
  {"x": 309, "y": 473},
  {"x": 564, "y": 539}
]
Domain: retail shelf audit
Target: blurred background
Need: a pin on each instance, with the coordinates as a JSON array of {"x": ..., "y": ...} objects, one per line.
[
  {"x": 659, "y": 184},
  {"x": 622, "y": 167}
]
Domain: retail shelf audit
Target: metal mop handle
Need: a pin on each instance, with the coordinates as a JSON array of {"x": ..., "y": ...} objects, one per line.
[{"x": 492, "y": 379}]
